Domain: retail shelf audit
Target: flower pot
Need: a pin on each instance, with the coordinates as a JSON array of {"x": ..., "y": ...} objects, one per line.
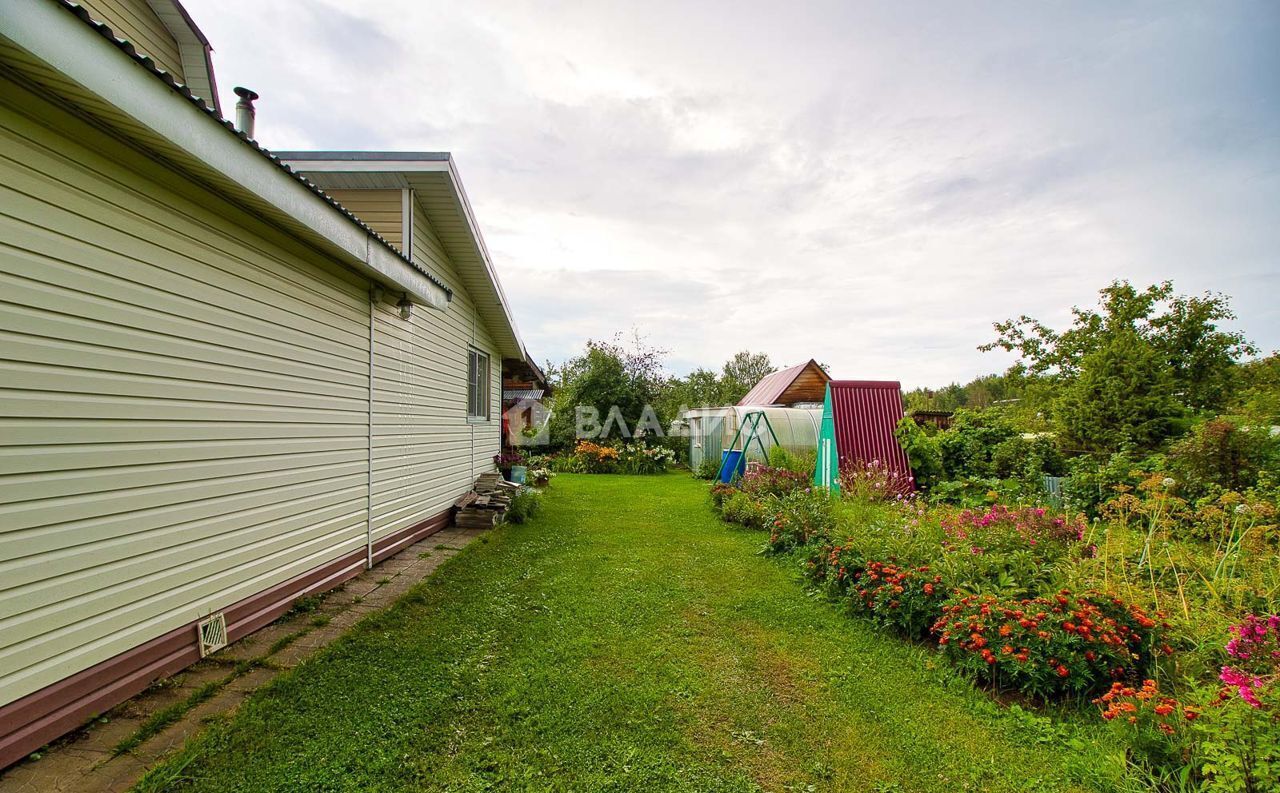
[
  {"x": 506, "y": 473},
  {"x": 517, "y": 474}
]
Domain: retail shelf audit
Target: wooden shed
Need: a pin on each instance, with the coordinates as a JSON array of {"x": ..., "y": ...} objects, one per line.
[{"x": 804, "y": 383}]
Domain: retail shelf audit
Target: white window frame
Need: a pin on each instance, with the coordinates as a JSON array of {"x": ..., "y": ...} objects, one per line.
[{"x": 478, "y": 386}]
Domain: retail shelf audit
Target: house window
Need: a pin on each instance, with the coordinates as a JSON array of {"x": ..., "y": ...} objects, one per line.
[{"x": 477, "y": 385}]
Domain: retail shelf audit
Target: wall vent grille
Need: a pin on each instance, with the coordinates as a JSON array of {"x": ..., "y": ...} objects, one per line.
[{"x": 213, "y": 633}]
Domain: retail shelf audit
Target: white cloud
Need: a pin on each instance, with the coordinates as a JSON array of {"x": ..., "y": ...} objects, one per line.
[{"x": 870, "y": 185}]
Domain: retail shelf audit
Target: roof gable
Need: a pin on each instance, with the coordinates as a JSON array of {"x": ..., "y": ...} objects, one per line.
[
  {"x": 434, "y": 180},
  {"x": 805, "y": 382},
  {"x": 193, "y": 48}
]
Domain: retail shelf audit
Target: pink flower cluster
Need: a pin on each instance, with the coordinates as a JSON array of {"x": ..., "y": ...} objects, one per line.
[
  {"x": 1005, "y": 528},
  {"x": 1256, "y": 650},
  {"x": 875, "y": 481}
]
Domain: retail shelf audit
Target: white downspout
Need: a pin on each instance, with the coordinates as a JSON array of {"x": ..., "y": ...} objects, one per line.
[{"x": 375, "y": 295}]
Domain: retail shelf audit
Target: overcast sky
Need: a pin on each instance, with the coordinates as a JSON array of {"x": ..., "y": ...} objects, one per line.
[{"x": 868, "y": 184}]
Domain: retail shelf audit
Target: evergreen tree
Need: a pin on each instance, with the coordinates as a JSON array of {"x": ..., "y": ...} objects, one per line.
[{"x": 1122, "y": 396}]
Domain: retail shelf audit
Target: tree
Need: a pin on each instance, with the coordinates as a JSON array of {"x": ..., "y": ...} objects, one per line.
[
  {"x": 1184, "y": 330},
  {"x": 1258, "y": 390},
  {"x": 700, "y": 388},
  {"x": 609, "y": 377},
  {"x": 1202, "y": 356},
  {"x": 1121, "y": 397},
  {"x": 741, "y": 373},
  {"x": 980, "y": 392}
]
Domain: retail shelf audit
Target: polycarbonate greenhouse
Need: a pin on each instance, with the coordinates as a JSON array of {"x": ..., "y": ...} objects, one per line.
[{"x": 712, "y": 429}]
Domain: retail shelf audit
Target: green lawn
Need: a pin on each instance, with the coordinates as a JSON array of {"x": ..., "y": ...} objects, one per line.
[{"x": 626, "y": 639}]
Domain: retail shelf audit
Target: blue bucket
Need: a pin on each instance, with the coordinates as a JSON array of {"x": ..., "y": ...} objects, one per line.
[{"x": 730, "y": 460}]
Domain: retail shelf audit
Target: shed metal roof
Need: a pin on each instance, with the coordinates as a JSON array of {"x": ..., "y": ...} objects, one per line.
[
  {"x": 866, "y": 413},
  {"x": 772, "y": 387}
]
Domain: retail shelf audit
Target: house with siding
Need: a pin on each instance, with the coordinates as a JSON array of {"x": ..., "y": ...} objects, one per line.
[{"x": 228, "y": 378}]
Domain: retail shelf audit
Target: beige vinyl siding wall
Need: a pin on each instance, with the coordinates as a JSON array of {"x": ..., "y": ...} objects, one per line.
[
  {"x": 382, "y": 210},
  {"x": 426, "y": 452},
  {"x": 183, "y": 400},
  {"x": 135, "y": 21}
]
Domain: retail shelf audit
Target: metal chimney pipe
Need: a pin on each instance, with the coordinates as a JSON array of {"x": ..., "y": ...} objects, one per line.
[{"x": 244, "y": 110}]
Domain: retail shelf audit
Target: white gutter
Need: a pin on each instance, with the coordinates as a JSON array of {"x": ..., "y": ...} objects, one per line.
[{"x": 82, "y": 54}]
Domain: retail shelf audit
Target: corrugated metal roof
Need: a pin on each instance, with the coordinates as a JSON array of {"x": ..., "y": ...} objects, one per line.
[
  {"x": 866, "y": 413},
  {"x": 518, "y": 394},
  {"x": 772, "y": 386},
  {"x": 145, "y": 61}
]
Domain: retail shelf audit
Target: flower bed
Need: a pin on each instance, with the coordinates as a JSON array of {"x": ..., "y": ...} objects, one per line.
[
  {"x": 1120, "y": 616},
  {"x": 588, "y": 457},
  {"x": 1049, "y": 647}
]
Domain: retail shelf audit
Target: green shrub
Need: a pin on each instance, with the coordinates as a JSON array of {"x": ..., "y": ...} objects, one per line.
[
  {"x": 524, "y": 505},
  {"x": 800, "y": 463},
  {"x": 709, "y": 469},
  {"x": 1221, "y": 454},
  {"x": 1023, "y": 457},
  {"x": 829, "y": 565},
  {"x": 741, "y": 508},
  {"x": 800, "y": 518},
  {"x": 1092, "y": 481},
  {"x": 923, "y": 452},
  {"x": 909, "y": 533},
  {"x": 966, "y": 491},
  {"x": 1239, "y": 745},
  {"x": 968, "y": 444}
]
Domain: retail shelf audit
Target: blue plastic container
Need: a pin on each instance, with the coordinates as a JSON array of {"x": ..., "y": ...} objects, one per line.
[{"x": 730, "y": 461}]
